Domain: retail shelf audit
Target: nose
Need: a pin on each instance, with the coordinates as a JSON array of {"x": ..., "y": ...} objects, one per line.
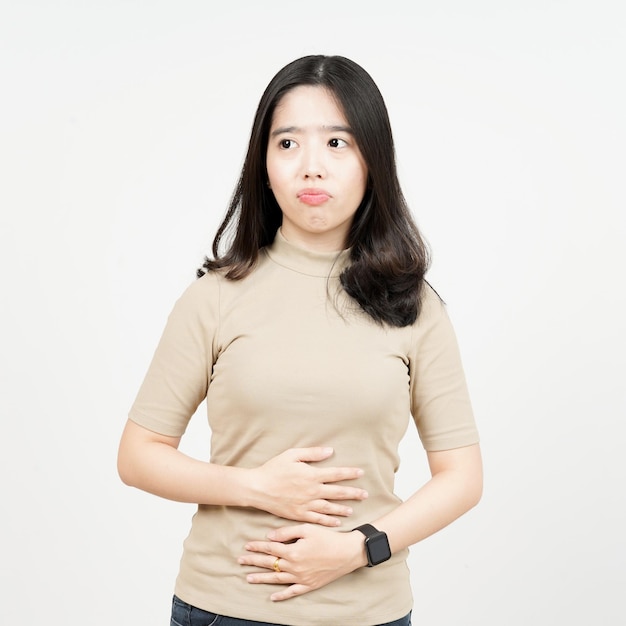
[{"x": 313, "y": 163}]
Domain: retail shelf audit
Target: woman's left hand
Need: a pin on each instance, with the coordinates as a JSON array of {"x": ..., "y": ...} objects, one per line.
[{"x": 304, "y": 557}]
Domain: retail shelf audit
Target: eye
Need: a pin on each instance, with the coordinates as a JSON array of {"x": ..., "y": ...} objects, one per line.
[
  {"x": 287, "y": 144},
  {"x": 337, "y": 143}
]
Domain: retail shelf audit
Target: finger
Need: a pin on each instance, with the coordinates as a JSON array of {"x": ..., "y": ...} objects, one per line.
[
  {"x": 342, "y": 492},
  {"x": 275, "y": 548},
  {"x": 271, "y": 578},
  {"x": 324, "y": 507},
  {"x": 284, "y": 535},
  {"x": 311, "y": 517},
  {"x": 311, "y": 455},
  {"x": 335, "y": 474},
  {"x": 274, "y": 564},
  {"x": 320, "y": 519},
  {"x": 289, "y": 592}
]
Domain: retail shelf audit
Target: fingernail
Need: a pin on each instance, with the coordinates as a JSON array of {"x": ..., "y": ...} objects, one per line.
[
  {"x": 360, "y": 472},
  {"x": 328, "y": 450},
  {"x": 365, "y": 494},
  {"x": 271, "y": 535},
  {"x": 349, "y": 511}
]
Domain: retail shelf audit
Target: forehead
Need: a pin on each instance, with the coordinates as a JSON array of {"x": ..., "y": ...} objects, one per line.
[{"x": 308, "y": 105}]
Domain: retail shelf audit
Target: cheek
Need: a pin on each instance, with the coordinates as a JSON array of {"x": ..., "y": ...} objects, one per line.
[
  {"x": 360, "y": 171},
  {"x": 271, "y": 164},
  {"x": 269, "y": 167},
  {"x": 278, "y": 172},
  {"x": 361, "y": 177}
]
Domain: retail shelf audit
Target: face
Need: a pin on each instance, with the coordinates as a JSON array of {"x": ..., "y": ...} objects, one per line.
[{"x": 315, "y": 169}]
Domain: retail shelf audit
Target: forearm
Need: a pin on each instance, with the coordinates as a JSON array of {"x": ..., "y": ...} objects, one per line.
[
  {"x": 455, "y": 487},
  {"x": 165, "y": 471},
  {"x": 285, "y": 485}
]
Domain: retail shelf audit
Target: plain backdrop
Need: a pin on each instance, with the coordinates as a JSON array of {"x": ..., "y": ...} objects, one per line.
[{"x": 123, "y": 125}]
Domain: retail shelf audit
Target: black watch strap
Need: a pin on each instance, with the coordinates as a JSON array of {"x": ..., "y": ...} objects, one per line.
[{"x": 376, "y": 544}]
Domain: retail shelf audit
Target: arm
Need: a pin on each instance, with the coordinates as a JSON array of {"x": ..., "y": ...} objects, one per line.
[
  {"x": 320, "y": 556},
  {"x": 455, "y": 488},
  {"x": 287, "y": 485}
]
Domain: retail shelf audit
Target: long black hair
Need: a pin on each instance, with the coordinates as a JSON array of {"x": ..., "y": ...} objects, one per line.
[{"x": 388, "y": 258}]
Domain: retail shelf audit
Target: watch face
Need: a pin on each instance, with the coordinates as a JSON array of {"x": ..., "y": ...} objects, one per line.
[{"x": 378, "y": 548}]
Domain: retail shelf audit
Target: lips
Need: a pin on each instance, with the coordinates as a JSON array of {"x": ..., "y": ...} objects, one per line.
[{"x": 313, "y": 196}]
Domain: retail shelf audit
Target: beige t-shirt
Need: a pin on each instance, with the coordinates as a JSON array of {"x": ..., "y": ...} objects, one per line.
[{"x": 286, "y": 359}]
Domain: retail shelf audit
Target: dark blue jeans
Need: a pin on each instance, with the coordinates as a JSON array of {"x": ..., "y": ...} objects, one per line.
[{"x": 184, "y": 614}]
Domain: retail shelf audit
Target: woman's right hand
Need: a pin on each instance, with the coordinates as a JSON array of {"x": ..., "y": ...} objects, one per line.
[{"x": 290, "y": 487}]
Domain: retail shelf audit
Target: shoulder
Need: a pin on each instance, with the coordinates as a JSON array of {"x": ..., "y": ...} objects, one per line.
[
  {"x": 432, "y": 306},
  {"x": 200, "y": 300},
  {"x": 204, "y": 287},
  {"x": 433, "y": 326},
  {"x": 214, "y": 290}
]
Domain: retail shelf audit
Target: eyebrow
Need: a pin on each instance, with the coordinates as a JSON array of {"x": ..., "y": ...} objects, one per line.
[{"x": 297, "y": 129}]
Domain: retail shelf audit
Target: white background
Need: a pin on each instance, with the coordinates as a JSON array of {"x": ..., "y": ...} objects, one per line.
[{"x": 123, "y": 126}]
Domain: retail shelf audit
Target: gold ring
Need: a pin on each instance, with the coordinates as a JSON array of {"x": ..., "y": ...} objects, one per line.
[{"x": 275, "y": 566}]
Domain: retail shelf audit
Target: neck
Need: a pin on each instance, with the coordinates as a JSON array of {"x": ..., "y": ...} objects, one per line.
[
  {"x": 323, "y": 242},
  {"x": 310, "y": 262}
]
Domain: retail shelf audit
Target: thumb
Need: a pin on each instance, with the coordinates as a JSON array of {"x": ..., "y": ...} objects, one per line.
[
  {"x": 287, "y": 534},
  {"x": 317, "y": 453}
]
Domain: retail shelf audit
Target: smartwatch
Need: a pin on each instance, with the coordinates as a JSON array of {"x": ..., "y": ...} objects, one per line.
[{"x": 376, "y": 544}]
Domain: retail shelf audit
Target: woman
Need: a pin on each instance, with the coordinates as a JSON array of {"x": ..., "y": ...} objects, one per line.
[{"x": 313, "y": 336}]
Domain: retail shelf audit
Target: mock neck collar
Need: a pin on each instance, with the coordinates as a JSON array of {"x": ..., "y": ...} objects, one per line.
[{"x": 293, "y": 257}]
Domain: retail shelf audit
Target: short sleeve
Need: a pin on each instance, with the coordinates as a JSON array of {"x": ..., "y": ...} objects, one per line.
[
  {"x": 178, "y": 377},
  {"x": 440, "y": 402}
]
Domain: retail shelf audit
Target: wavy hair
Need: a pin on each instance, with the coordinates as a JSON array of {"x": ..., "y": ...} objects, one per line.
[{"x": 389, "y": 257}]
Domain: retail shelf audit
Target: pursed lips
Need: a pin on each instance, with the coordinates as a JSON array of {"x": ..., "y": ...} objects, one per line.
[{"x": 313, "y": 196}]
